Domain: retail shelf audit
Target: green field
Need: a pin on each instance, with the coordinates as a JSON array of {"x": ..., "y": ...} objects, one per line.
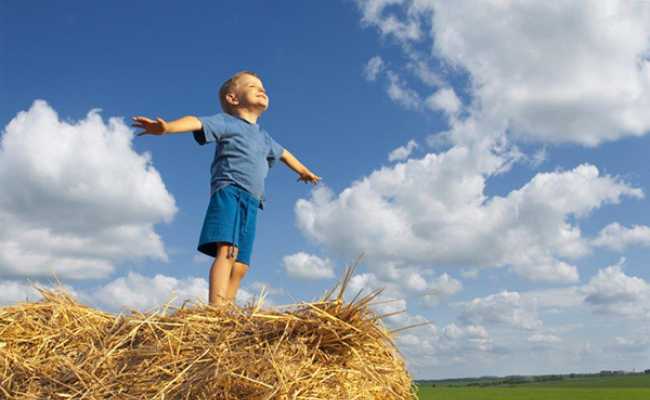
[{"x": 628, "y": 387}]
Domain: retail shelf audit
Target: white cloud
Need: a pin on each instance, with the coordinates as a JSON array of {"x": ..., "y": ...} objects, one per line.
[
  {"x": 550, "y": 69},
  {"x": 551, "y": 86},
  {"x": 611, "y": 291},
  {"x": 405, "y": 282},
  {"x": 434, "y": 211},
  {"x": 374, "y": 67},
  {"x": 306, "y": 266},
  {"x": 444, "y": 100},
  {"x": 76, "y": 198},
  {"x": 617, "y": 237},
  {"x": 501, "y": 308},
  {"x": 440, "y": 289},
  {"x": 12, "y": 292},
  {"x": 401, "y": 93},
  {"x": 403, "y": 152},
  {"x": 146, "y": 293},
  {"x": 554, "y": 298},
  {"x": 389, "y": 24}
]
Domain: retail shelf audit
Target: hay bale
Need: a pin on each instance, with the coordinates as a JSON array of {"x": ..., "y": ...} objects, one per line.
[{"x": 330, "y": 349}]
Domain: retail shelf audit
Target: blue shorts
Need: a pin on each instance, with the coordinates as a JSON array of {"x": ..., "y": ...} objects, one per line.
[{"x": 230, "y": 218}]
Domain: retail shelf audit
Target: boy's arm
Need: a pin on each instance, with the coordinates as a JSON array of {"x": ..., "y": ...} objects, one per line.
[
  {"x": 292, "y": 162},
  {"x": 160, "y": 126}
]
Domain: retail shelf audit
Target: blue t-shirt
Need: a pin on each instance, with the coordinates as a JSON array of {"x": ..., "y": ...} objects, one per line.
[{"x": 243, "y": 155}]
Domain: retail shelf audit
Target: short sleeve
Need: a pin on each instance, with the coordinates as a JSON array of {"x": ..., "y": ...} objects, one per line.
[
  {"x": 212, "y": 128},
  {"x": 275, "y": 150}
]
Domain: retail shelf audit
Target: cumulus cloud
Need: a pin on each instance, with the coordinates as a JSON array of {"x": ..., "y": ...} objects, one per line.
[
  {"x": 403, "y": 152},
  {"x": 550, "y": 86},
  {"x": 137, "y": 291},
  {"x": 401, "y": 283},
  {"x": 14, "y": 291},
  {"x": 434, "y": 211},
  {"x": 617, "y": 237},
  {"x": 146, "y": 293},
  {"x": 76, "y": 199},
  {"x": 501, "y": 308},
  {"x": 306, "y": 266},
  {"x": 441, "y": 288},
  {"x": 549, "y": 69},
  {"x": 611, "y": 291}
]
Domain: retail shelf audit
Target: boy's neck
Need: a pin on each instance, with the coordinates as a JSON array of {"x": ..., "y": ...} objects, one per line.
[{"x": 248, "y": 115}]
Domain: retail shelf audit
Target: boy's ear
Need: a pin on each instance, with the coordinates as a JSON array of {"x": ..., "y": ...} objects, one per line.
[{"x": 232, "y": 99}]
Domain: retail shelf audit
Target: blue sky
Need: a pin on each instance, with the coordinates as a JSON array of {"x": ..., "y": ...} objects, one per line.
[{"x": 515, "y": 222}]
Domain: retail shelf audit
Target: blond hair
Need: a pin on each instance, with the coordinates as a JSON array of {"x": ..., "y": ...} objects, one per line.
[{"x": 228, "y": 86}]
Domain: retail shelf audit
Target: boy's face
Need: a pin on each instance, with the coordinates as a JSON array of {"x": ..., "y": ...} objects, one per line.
[{"x": 249, "y": 92}]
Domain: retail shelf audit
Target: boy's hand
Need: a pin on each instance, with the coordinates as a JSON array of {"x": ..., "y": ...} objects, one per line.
[
  {"x": 310, "y": 177},
  {"x": 151, "y": 127}
]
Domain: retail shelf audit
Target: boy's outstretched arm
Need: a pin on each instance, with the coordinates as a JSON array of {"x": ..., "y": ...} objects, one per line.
[
  {"x": 292, "y": 162},
  {"x": 160, "y": 126}
]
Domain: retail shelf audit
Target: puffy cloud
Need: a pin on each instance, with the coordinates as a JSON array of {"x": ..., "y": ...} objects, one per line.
[
  {"x": 617, "y": 237},
  {"x": 306, "y": 266},
  {"x": 403, "y": 283},
  {"x": 76, "y": 198},
  {"x": 146, "y": 293},
  {"x": 551, "y": 70},
  {"x": 13, "y": 291},
  {"x": 433, "y": 210},
  {"x": 441, "y": 288},
  {"x": 550, "y": 86},
  {"x": 501, "y": 308},
  {"x": 611, "y": 291},
  {"x": 554, "y": 298},
  {"x": 402, "y": 152}
]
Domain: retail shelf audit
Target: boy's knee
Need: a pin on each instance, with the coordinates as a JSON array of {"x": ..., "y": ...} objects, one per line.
[
  {"x": 227, "y": 250},
  {"x": 239, "y": 270}
]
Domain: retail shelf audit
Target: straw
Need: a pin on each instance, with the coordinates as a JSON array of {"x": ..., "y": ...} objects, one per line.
[{"x": 329, "y": 349}]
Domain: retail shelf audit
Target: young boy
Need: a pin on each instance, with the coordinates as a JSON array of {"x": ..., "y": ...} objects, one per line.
[{"x": 244, "y": 153}]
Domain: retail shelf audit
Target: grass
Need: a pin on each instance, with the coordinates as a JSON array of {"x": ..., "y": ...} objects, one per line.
[{"x": 628, "y": 387}]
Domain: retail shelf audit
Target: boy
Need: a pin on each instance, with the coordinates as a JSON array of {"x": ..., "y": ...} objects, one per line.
[{"x": 243, "y": 156}]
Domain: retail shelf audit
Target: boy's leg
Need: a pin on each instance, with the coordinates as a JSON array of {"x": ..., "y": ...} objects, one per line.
[
  {"x": 236, "y": 275},
  {"x": 220, "y": 273}
]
